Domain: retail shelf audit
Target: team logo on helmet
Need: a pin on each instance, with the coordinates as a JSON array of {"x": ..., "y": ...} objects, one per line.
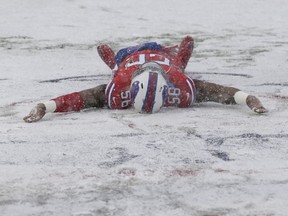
[{"x": 134, "y": 90}]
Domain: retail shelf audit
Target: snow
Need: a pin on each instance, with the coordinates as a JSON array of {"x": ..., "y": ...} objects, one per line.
[{"x": 209, "y": 159}]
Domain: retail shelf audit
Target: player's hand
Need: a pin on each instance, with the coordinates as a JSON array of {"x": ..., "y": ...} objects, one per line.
[
  {"x": 36, "y": 113},
  {"x": 254, "y": 104}
]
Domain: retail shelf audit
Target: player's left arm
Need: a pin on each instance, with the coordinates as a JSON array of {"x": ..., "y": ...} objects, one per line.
[{"x": 206, "y": 91}]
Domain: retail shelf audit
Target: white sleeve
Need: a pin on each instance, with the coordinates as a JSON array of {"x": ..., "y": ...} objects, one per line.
[
  {"x": 240, "y": 97},
  {"x": 50, "y": 106}
]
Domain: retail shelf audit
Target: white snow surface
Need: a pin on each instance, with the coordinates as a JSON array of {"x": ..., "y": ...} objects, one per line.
[{"x": 209, "y": 159}]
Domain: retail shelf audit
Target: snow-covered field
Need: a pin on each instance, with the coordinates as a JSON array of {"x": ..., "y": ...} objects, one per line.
[{"x": 207, "y": 160}]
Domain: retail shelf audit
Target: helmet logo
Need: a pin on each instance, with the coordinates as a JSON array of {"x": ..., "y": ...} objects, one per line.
[
  {"x": 134, "y": 90},
  {"x": 165, "y": 92}
]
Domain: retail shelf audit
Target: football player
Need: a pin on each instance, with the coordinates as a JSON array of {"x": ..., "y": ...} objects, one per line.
[{"x": 147, "y": 77}]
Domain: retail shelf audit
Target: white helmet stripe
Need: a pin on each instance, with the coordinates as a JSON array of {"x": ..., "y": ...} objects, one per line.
[
  {"x": 192, "y": 88},
  {"x": 109, "y": 90}
]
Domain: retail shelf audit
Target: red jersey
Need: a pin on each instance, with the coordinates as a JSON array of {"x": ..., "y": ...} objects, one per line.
[{"x": 181, "y": 91}]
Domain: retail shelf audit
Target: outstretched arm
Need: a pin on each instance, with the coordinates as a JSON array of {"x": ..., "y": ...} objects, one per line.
[
  {"x": 226, "y": 95},
  {"x": 94, "y": 97}
]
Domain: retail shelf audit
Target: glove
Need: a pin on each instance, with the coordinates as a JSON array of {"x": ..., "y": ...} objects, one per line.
[
  {"x": 36, "y": 113},
  {"x": 254, "y": 104}
]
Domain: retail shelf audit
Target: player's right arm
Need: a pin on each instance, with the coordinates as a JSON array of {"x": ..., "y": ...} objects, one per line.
[{"x": 94, "y": 97}]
